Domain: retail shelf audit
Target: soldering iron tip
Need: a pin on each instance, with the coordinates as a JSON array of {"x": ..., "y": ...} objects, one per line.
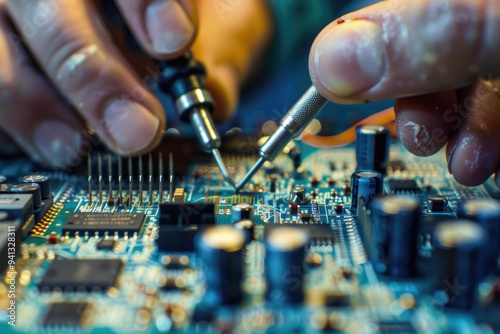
[
  {"x": 250, "y": 173},
  {"x": 222, "y": 166}
]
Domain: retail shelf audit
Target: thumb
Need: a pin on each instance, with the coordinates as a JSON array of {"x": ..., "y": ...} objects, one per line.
[{"x": 400, "y": 48}]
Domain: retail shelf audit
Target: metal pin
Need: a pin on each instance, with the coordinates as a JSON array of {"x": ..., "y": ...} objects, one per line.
[
  {"x": 110, "y": 179},
  {"x": 249, "y": 174},
  {"x": 150, "y": 169},
  {"x": 222, "y": 167},
  {"x": 160, "y": 178},
  {"x": 120, "y": 178},
  {"x": 171, "y": 177},
  {"x": 141, "y": 197},
  {"x": 99, "y": 171},
  {"x": 130, "y": 179},
  {"x": 89, "y": 169}
]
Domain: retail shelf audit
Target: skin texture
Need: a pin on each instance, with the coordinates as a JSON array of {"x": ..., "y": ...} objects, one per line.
[
  {"x": 439, "y": 59},
  {"x": 64, "y": 73}
]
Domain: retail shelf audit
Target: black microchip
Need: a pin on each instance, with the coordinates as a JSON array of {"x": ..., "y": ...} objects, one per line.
[
  {"x": 187, "y": 214},
  {"x": 101, "y": 222},
  {"x": 106, "y": 244},
  {"x": 65, "y": 314},
  {"x": 306, "y": 217},
  {"x": 177, "y": 239},
  {"x": 437, "y": 204},
  {"x": 317, "y": 232},
  {"x": 81, "y": 274},
  {"x": 408, "y": 187}
]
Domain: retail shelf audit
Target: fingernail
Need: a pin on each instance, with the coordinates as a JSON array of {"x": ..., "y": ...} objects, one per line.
[
  {"x": 168, "y": 25},
  {"x": 58, "y": 143},
  {"x": 129, "y": 126},
  {"x": 350, "y": 58}
]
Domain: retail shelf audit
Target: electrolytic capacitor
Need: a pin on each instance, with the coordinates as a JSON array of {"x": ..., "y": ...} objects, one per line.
[
  {"x": 298, "y": 195},
  {"x": 220, "y": 249},
  {"x": 284, "y": 263},
  {"x": 486, "y": 213},
  {"x": 394, "y": 233},
  {"x": 372, "y": 147},
  {"x": 242, "y": 211},
  {"x": 42, "y": 180},
  {"x": 247, "y": 227},
  {"x": 366, "y": 184},
  {"x": 29, "y": 188},
  {"x": 456, "y": 254}
]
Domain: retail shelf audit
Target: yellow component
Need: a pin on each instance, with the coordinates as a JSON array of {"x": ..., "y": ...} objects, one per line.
[{"x": 179, "y": 195}]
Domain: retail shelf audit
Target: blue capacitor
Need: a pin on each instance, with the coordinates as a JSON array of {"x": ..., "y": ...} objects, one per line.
[
  {"x": 372, "y": 147},
  {"x": 456, "y": 254},
  {"x": 365, "y": 185},
  {"x": 393, "y": 235},
  {"x": 486, "y": 213}
]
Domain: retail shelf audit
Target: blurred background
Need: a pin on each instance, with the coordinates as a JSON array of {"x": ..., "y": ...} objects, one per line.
[{"x": 283, "y": 75}]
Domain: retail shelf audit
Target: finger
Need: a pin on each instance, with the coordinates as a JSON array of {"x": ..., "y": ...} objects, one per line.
[
  {"x": 244, "y": 30},
  {"x": 401, "y": 48},
  {"x": 165, "y": 28},
  {"x": 31, "y": 112},
  {"x": 84, "y": 65},
  {"x": 474, "y": 153},
  {"x": 424, "y": 123}
]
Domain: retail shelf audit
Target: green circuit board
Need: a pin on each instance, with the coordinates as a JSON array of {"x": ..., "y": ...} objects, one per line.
[{"x": 133, "y": 287}]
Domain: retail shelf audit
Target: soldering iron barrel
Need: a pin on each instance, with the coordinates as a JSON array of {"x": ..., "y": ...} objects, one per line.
[
  {"x": 204, "y": 126},
  {"x": 294, "y": 122}
]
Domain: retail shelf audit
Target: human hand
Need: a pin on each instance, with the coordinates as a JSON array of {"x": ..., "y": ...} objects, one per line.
[
  {"x": 74, "y": 74},
  {"x": 439, "y": 58}
]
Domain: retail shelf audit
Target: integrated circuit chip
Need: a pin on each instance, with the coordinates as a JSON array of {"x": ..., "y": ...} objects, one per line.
[
  {"x": 65, "y": 314},
  {"x": 106, "y": 244},
  {"x": 181, "y": 214},
  {"x": 404, "y": 187},
  {"x": 81, "y": 274},
  {"x": 100, "y": 222}
]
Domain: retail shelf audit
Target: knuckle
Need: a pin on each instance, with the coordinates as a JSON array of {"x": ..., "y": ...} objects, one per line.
[{"x": 73, "y": 66}]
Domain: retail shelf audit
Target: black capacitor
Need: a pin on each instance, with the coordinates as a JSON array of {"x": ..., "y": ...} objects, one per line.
[
  {"x": 284, "y": 264},
  {"x": 3, "y": 179},
  {"x": 372, "y": 147},
  {"x": 29, "y": 188},
  {"x": 394, "y": 233},
  {"x": 241, "y": 211},
  {"x": 456, "y": 260},
  {"x": 248, "y": 228},
  {"x": 486, "y": 213},
  {"x": 42, "y": 180},
  {"x": 298, "y": 195},
  {"x": 220, "y": 249},
  {"x": 366, "y": 184}
]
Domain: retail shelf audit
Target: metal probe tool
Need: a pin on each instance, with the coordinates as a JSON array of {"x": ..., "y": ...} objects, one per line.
[{"x": 291, "y": 126}]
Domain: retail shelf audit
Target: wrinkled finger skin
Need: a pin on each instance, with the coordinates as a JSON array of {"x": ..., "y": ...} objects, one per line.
[
  {"x": 430, "y": 55},
  {"x": 73, "y": 49}
]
